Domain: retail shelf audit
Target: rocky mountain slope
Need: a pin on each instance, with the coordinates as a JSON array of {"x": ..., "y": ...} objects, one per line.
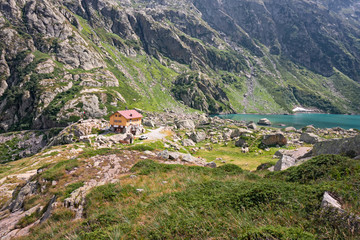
[
  {"x": 61, "y": 60},
  {"x": 200, "y": 172}
]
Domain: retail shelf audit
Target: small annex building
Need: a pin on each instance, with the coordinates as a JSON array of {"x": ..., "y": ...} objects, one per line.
[{"x": 127, "y": 121}]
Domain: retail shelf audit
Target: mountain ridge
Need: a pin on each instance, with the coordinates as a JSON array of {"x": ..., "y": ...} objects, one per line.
[{"x": 64, "y": 60}]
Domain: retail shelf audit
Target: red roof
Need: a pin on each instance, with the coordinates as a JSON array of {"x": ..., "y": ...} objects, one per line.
[{"x": 130, "y": 114}]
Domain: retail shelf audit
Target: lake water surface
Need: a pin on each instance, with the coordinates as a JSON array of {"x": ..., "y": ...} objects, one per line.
[{"x": 300, "y": 120}]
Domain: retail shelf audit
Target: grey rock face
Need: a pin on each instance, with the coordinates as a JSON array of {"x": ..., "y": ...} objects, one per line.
[
  {"x": 23, "y": 144},
  {"x": 48, "y": 210},
  {"x": 164, "y": 154},
  {"x": 347, "y": 146},
  {"x": 198, "y": 136},
  {"x": 264, "y": 121},
  {"x": 310, "y": 138},
  {"x": 185, "y": 124},
  {"x": 239, "y": 131},
  {"x": 18, "y": 202},
  {"x": 274, "y": 139},
  {"x": 297, "y": 153},
  {"x": 241, "y": 143},
  {"x": 329, "y": 201},
  {"x": 290, "y": 129},
  {"x": 252, "y": 126},
  {"x": 284, "y": 163},
  {"x": 148, "y": 123},
  {"x": 204, "y": 120},
  {"x": 174, "y": 155},
  {"x": 211, "y": 165},
  {"x": 73, "y": 132},
  {"x": 188, "y": 143}
]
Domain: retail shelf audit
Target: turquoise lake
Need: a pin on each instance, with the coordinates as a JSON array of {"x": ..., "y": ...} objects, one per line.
[{"x": 300, "y": 120}]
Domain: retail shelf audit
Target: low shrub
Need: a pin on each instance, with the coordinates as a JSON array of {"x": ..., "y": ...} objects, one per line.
[{"x": 321, "y": 168}]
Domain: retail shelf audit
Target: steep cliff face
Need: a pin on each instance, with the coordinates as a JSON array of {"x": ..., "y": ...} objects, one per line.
[{"x": 61, "y": 60}]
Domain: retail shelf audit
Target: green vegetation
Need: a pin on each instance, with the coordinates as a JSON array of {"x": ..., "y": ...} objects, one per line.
[
  {"x": 72, "y": 187},
  {"x": 60, "y": 100},
  {"x": 188, "y": 202},
  {"x": 150, "y": 146},
  {"x": 55, "y": 172}
]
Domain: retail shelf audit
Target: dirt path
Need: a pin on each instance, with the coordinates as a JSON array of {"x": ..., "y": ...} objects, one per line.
[{"x": 156, "y": 134}]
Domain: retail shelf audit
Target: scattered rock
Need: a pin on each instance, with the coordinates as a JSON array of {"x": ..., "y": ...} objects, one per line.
[
  {"x": 244, "y": 149},
  {"x": 309, "y": 129},
  {"x": 264, "y": 121},
  {"x": 297, "y": 154},
  {"x": 198, "y": 136},
  {"x": 18, "y": 200},
  {"x": 252, "y": 125},
  {"x": 239, "y": 132},
  {"x": 188, "y": 143},
  {"x": 148, "y": 123},
  {"x": 164, "y": 154},
  {"x": 211, "y": 165},
  {"x": 185, "y": 124},
  {"x": 48, "y": 210},
  {"x": 329, "y": 201},
  {"x": 346, "y": 146},
  {"x": 174, "y": 155},
  {"x": 204, "y": 120},
  {"x": 290, "y": 129},
  {"x": 241, "y": 143},
  {"x": 274, "y": 139},
  {"x": 284, "y": 163},
  {"x": 309, "y": 138}
]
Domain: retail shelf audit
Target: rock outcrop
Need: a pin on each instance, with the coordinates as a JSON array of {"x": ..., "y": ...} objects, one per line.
[
  {"x": 310, "y": 138},
  {"x": 198, "y": 136},
  {"x": 264, "y": 121},
  {"x": 274, "y": 139},
  {"x": 346, "y": 146},
  {"x": 284, "y": 163},
  {"x": 185, "y": 124},
  {"x": 57, "y": 66}
]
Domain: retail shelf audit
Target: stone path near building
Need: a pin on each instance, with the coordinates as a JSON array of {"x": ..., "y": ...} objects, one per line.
[{"x": 156, "y": 134}]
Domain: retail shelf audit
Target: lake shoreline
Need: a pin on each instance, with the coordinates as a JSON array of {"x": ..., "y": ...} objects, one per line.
[{"x": 300, "y": 120}]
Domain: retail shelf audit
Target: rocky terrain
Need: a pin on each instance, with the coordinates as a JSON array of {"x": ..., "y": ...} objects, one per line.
[
  {"x": 64, "y": 60},
  {"x": 68, "y": 168}
]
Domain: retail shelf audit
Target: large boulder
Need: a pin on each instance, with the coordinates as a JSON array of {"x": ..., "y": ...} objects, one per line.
[
  {"x": 188, "y": 143},
  {"x": 164, "y": 154},
  {"x": 204, "y": 120},
  {"x": 198, "y": 136},
  {"x": 252, "y": 125},
  {"x": 346, "y": 146},
  {"x": 227, "y": 134},
  {"x": 284, "y": 163},
  {"x": 329, "y": 201},
  {"x": 73, "y": 132},
  {"x": 174, "y": 155},
  {"x": 274, "y": 139},
  {"x": 185, "y": 124},
  {"x": 297, "y": 153},
  {"x": 264, "y": 121},
  {"x": 239, "y": 132},
  {"x": 241, "y": 143},
  {"x": 290, "y": 129},
  {"x": 310, "y": 138},
  {"x": 148, "y": 123},
  {"x": 309, "y": 129},
  {"x": 210, "y": 165}
]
